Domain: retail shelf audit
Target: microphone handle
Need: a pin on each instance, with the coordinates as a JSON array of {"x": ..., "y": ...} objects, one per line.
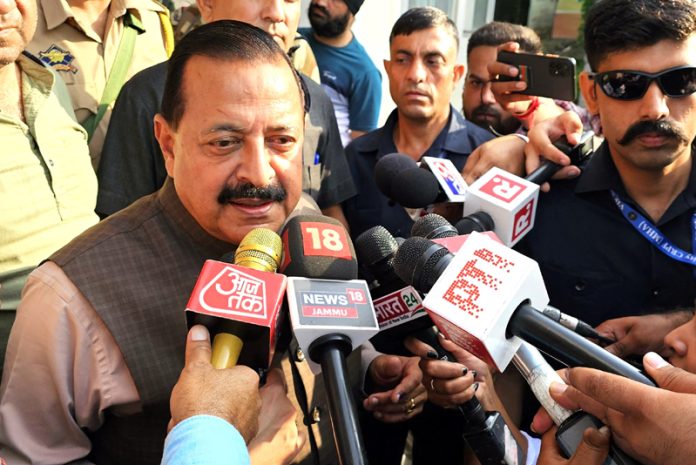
[
  {"x": 330, "y": 352},
  {"x": 544, "y": 172},
  {"x": 487, "y": 433},
  {"x": 566, "y": 346}
]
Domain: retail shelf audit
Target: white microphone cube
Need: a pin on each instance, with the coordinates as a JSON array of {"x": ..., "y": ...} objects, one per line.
[
  {"x": 473, "y": 300},
  {"x": 510, "y": 200}
]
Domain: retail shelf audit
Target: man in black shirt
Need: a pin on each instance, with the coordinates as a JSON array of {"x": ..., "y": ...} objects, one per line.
[{"x": 619, "y": 240}]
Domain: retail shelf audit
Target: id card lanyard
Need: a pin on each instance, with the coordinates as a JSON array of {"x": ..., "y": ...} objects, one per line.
[{"x": 655, "y": 237}]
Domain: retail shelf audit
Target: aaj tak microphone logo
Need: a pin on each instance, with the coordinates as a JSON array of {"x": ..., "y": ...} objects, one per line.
[
  {"x": 508, "y": 199},
  {"x": 475, "y": 297}
]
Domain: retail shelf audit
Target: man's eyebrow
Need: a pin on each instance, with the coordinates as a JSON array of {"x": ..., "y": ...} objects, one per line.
[
  {"x": 404, "y": 52},
  {"x": 225, "y": 128}
]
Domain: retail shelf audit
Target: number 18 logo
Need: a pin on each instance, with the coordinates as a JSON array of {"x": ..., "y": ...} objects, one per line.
[{"x": 326, "y": 240}]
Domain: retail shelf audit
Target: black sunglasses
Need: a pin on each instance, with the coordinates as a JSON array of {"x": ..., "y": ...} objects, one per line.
[{"x": 632, "y": 85}]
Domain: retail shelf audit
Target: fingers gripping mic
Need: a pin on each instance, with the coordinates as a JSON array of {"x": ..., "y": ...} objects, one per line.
[{"x": 240, "y": 304}]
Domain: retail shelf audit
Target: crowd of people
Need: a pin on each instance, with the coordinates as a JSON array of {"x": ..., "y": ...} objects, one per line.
[{"x": 137, "y": 148}]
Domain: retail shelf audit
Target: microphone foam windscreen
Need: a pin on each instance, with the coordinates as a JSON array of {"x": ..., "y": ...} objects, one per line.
[
  {"x": 418, "y": 188},
  {"x": 415, "y": 261},
  {"x": 260, "y": 249},
  {"x": 433, "y": 226},
  {"x": 388, "y": 169},
  {"x": 374, "y": 245},
  {"x": 408, "y": 255},
  {"x": 316, "y": 246}
]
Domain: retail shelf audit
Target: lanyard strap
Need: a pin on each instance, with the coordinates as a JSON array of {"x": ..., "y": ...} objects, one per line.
[
  {"x": 117, "y": 75},
  {"x": 654, "y": 236}
]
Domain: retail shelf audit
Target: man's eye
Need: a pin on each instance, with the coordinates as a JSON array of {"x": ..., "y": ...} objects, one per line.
[
  {"x": 283, "y": 140},
  {"x": 224, "y": 143}
]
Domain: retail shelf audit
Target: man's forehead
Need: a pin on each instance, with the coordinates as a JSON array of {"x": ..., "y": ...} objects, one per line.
[
  {"x": 247, "y": 80},
  {"x": 424, "y": 41}
]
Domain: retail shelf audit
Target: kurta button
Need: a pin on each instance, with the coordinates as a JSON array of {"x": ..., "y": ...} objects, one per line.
[
  {"x": 656, "y": 292},
  {"x": 50, "y": 162},
  {"x": 299, "y": 355},
  {"x": 316, "y": 415},
  {"x": 580, "y": 286}
]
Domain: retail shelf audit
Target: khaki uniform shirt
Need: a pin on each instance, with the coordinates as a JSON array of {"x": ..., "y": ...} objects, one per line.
[
  {"x": 78, "y": 54},
  {"x": 48, "y": 189}
]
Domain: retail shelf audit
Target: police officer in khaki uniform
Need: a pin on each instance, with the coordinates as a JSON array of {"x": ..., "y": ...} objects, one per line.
[{"x": 80, "y": 39}]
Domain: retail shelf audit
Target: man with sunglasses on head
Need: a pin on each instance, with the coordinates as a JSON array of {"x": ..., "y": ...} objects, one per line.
[{"x": 617, "y": 243}]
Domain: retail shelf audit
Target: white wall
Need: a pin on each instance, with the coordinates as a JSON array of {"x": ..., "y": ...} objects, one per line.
[{"x": 373, "y": 24}]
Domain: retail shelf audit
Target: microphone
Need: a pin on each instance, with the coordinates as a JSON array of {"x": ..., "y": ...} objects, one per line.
[
  {"x": 575, "y": 325},
  {"x": 438, "y": 180},
  {"x": 502, "y": 200},
  {"x": 571, "y": 425},
  {"x": 484, "y": 299},
  {"x": 331, "y": 314},
  {"x": 578, "y": 154},
  {"x": 240, "y": 303},
  {"x": 400, "y": 314},
  {"x": 439, "y": 230},
  {"x": 505, "y": 203}
]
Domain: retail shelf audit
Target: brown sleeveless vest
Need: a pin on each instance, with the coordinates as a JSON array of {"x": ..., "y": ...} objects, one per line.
[{"x": 137, "y": 269}]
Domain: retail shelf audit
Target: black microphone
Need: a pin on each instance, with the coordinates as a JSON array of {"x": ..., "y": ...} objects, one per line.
[
  {"x": 400, "y": 314},
  {"x": 331, "y": 314},
  {"x": 485, "y": 294}
]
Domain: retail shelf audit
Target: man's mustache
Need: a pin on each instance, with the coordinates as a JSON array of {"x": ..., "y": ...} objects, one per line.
[
  {"x": 485, "y": 110},
  {"x": 663, "y": 128},
  {"x": 320, "y": 8},
  {"x": 271, "y": 193}
]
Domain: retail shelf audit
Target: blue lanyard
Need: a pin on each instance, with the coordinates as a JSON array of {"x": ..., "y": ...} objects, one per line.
[{"x": 655, "y": 237}]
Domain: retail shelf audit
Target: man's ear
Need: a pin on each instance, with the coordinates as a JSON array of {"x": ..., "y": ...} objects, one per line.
[
  {"x": 459, "y": 70},
  {"x": 206, "y": 9},
  {"x": 589, "y": 92},
  {"x": 165, "y": 137}
]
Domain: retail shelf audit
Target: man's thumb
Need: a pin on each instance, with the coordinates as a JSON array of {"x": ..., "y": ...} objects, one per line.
[
  {"x": 387, "y": 369},
  {"x": 668, "y": 376}
]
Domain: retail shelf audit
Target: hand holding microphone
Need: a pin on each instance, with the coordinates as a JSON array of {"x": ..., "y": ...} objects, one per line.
[{"x": 399, "y": 391}]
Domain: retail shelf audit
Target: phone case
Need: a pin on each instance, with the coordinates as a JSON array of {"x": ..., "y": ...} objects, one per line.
[{"x": 546, "y": 76}]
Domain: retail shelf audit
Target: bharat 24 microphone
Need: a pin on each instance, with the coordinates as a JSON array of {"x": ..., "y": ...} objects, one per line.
[
  {"x": 571, "y": 425},
  {"x": 240, "y": 303},
  {"x": 484, "y": 299},
  {"x": 400, "y": 313},
  {"x": 331, "y": 314},
  {"x": 398, "y": 306}
]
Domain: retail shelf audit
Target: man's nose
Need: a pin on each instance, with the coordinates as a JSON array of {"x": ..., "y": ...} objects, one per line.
[
  {"x": 653, "y": 105},
  {"x": 6, "y": 6},
  {"x": 255, "y": 166}
]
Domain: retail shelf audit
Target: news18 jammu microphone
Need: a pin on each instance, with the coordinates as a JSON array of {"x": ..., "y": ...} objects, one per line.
[
  {"x": 240, "y": 303},
  {"x": 331, "y": 314}
]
